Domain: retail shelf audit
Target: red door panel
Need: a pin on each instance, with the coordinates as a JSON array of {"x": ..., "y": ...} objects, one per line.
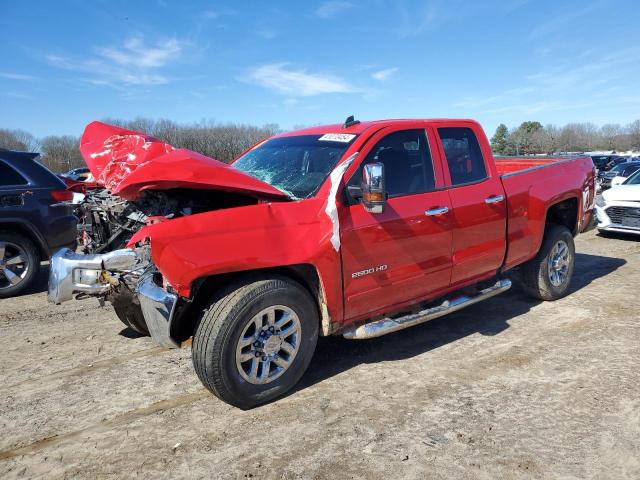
[
  {"x": 479, "y": 230},
  {"x": 396, "y": 256}
]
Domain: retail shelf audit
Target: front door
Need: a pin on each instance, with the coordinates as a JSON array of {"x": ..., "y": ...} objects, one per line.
[{"x": 403, "y": 253}]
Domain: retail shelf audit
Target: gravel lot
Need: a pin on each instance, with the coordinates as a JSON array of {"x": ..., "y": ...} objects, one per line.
[{"x": 509, "y": 388}]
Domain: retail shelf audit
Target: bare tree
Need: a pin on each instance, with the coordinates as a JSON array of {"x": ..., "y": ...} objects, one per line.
[
  {"x": 61, "y": 153},
  {"x": 18, "y": 140},
  {"x": 225, "y": 142},
  {"x": 634, "y": 134},
  {"x": 610, "y": 133}
]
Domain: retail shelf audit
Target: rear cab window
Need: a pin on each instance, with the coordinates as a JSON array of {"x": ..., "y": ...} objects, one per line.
[
  {"x": 9, "y": 177},
  {"x": 463, "y": 155}
]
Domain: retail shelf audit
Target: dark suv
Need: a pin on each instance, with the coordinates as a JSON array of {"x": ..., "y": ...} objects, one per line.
[{"x": 35, "y": 219}]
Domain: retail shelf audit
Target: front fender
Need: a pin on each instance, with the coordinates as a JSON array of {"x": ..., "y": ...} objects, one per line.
[{"x": 254, "y": 237}]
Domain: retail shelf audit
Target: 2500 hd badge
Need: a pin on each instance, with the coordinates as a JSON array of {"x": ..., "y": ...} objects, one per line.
[{"x": 368, "y": 271}]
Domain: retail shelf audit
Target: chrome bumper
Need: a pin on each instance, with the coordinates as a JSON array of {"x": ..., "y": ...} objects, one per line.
[
  {"x": 71, "y": 272},
  {"x": 158, "y": 307},
  {"x": 93, "y": 274}
]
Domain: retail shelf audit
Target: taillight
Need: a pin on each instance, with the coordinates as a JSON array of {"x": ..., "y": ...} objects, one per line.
[
  {"x": 62, "y": 195},
  {"x": 78, "y": 188}
]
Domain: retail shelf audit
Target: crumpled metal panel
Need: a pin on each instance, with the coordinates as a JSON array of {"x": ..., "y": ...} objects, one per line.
[
  {"x": 248, "y": 238},
  {"x": 128, "y": 162},
  {"x": 267, "y": 234}
]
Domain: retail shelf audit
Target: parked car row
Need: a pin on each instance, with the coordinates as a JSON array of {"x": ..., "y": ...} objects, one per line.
[
  {"x": 618, "y": 174},
  {"x": 614, "y": 170},
  {"x": 606, "y": 162}
]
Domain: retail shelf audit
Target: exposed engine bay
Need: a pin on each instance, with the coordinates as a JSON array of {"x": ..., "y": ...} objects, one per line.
[
  {"x": 107, "y": 222},
  {"x": 142, "y": 181}
]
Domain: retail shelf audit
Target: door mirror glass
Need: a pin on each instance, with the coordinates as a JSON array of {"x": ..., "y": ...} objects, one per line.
[{"x": 373, "y": 188}]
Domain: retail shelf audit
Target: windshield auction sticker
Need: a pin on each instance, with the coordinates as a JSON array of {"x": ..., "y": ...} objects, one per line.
[{"x": 337, "y": 137}]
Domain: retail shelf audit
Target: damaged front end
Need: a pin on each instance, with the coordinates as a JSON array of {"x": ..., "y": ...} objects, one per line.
[
  {"x": 141, "y": 182},
  {"x": 124, "y": 275}
]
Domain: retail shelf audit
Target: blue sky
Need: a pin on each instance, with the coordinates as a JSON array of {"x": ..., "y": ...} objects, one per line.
[{"x": 66, "y": 63}]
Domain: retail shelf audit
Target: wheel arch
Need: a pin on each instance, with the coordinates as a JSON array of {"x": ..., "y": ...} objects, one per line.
[
  {"x": 204, "y": 288},
  {"x": 564, "y": 212},
  {"x": 22, "y": 227}
]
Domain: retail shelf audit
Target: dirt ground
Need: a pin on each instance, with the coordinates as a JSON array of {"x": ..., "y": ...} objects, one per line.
[{"x": 509, "y": 388}]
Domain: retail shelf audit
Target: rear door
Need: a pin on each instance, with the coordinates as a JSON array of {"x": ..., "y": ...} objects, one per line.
[
  {"x": 404, "y": 253},
  {"x": 478, "y": 201}
]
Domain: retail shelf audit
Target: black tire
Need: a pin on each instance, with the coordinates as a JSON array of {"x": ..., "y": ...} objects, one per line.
[
  {"x": 224, "y": 320},
  {"x": 536, "y": 276},
  {"x": 131, "y": 315},
  {"x": 32, "y": 261}
]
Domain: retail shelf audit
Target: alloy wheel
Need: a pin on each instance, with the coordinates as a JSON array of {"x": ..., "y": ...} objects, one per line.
[
  {"x": 14, "y": 264},
  {"x": 268, "y": 344}
]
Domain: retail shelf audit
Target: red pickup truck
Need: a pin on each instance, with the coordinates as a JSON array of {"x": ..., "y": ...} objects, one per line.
[{"x": 358, "y": 229}]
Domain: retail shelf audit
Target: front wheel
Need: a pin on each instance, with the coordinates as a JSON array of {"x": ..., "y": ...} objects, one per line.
[
  {"x": 255, "y": 340},
  {"x": 548, "y": 275}
]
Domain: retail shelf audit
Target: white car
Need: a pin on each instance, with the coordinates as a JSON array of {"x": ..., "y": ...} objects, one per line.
[{"x": 618, "y": 208}]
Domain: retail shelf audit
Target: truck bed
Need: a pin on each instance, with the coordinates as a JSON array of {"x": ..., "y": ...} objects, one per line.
[
  {"x": 510, "y": 165},
  {"x": 531, "y": 185}
]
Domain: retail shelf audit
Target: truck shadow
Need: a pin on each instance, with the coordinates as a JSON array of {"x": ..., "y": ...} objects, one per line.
[
  {"x": 625, "y": 237},
  {"x": 335, "y": 355}
]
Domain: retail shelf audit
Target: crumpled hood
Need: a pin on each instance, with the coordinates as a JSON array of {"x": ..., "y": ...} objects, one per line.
[{"x": 128, "y": 162}]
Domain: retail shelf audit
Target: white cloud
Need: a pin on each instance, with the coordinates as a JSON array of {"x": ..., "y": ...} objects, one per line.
[
  {"x": 19, "y": 95},
  {"x": 416, "y": 21},
  {"x": 332, "y": 8},
  {"x": 266, "y": 33},
  {"x": 212, "y": 14},
  {"x": 513, "y": 5},
  {"x": 560, "y": 23},
  {"x": 135, "y": 52},
  {"x": 16, "y": 76},
  {"x": 133, "y": 63},
  {"x": 382, "y": 75},
  {"x": 297, "y": 83},
  {"x": 217, "y": 13}
]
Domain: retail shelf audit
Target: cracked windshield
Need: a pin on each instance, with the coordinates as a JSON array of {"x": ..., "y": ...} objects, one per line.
[{"x": 296, "y": 165}]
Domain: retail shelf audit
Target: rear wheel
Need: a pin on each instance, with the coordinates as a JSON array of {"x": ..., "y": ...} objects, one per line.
[
  {"x": 19, "y": 263},
  {"x": 548, "y": 275},
  {"x": 255, "y": 340}
]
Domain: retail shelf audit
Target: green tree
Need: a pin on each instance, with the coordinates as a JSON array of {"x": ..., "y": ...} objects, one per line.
[
  {"x": 522, "y": 138},
  {"x": 500, "y": 139}
]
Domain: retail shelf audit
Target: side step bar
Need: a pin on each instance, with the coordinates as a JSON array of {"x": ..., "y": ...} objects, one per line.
[{"x": 388, "y": 325}]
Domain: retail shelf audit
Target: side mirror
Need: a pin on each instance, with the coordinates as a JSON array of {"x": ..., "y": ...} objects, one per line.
[{"x": 373, "y": 188}]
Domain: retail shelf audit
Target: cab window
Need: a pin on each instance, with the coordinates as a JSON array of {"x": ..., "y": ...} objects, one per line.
[
  {"x": 408, "y": 168},
  {"x": 463, "y": 154}
]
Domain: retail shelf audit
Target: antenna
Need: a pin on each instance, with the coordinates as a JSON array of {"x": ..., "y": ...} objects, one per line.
[{"x": 350, "y": 121}]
